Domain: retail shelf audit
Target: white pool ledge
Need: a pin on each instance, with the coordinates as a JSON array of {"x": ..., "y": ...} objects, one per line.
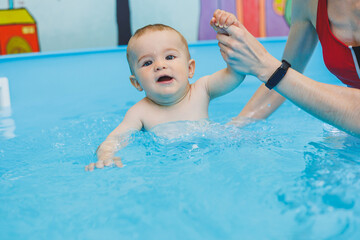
[{"x": 4, "y": 93}]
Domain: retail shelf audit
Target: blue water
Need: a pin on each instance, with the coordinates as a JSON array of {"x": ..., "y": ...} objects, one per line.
[
  {"x": 289, "y": 177},
  {"x": 216, "y": 182}
]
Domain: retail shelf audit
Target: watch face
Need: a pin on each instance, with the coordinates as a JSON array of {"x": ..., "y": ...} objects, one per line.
[{"x": 285, "y": 64}]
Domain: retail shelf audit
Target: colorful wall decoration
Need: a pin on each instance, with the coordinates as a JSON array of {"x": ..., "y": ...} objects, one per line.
[
  {"x": 18, "y": 31},
  {"x": 207, "y": 10},
  {"x": 262, "y": 18},
  {"x": 67, "y": 25},
  {"x": 277, "y": 17},
  {"x": 110, "y": 23}
]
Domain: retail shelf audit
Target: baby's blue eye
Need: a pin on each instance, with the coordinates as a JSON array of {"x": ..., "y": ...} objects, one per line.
[
  {"x": 147, "y": 63},
  {"x": 170, "y": 57}
]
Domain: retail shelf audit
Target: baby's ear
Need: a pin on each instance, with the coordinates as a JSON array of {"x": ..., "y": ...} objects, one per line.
[
  {"x": 135, "y": 83},
  {"x": 191, "y": 68}
]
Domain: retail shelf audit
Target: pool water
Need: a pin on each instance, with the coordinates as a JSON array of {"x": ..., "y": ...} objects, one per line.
[{"x": 288, "y": 177}]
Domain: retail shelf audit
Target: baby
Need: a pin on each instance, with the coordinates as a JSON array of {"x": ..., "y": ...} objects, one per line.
[{"x": 160, "y": 65}]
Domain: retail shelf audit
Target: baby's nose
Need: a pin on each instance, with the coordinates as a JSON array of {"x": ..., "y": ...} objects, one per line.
[{"x": 160, "y": 65}]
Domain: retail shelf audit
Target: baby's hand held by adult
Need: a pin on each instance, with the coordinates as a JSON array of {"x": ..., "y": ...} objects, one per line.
[{"x": 222, "y": 20}]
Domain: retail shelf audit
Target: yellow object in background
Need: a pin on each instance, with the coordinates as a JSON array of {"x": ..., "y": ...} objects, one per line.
[
  {"x": 279, "y": 7},
  {"x": 17, "y": 45}
]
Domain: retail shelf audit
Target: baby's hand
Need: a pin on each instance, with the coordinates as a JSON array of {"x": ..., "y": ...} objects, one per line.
[
  {"x": 106, "y": 163},
  {"x": 222, "y": 20}
]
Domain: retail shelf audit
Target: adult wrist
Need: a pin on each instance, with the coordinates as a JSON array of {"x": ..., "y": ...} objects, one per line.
[
  {"x": 267, "y": 68},
  {"x": 278, "y": 75}
]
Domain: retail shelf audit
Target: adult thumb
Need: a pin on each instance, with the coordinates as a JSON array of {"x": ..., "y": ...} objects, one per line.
[
  {"x": 236, "y": 30},
  {"x": 232, "y": 30}
]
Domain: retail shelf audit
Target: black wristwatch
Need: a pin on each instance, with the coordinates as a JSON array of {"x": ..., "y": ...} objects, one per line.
[{"x": 278, "y": 75}]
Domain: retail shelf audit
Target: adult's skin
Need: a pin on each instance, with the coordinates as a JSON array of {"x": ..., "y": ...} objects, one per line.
[{"x": 335, "y": 105}]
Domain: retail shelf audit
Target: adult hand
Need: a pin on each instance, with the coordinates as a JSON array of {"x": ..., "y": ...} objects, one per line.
[{"x": 245, "y": 54}]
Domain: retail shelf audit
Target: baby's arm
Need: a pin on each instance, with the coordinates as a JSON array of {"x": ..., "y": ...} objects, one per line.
[
  {"x": 116, "y": 140},
  {"x": 221, "y": 82},
  {"x": 225, "y": 80}
]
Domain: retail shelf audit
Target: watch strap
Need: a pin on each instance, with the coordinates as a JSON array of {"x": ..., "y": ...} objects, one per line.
[{"x": 278, "y": 75}]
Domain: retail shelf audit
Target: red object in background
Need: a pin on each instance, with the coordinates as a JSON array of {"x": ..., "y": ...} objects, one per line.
[
  {"x": 251, "y": 13},
  {"x": 18, "y": 32}
]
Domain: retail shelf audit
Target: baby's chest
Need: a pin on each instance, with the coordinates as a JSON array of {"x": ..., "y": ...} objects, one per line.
[{"x": 192, "y": 111}]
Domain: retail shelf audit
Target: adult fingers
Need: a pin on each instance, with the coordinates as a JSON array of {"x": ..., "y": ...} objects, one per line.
[
  {"x": 225, "y": 40},
  {"x": 238, "y": 31},
  {"x": 227, "y": 43},
  {"x": 231, "y": 19},
  {"x": 225, "y": 51},
  {"x": 223, "y": 54}
]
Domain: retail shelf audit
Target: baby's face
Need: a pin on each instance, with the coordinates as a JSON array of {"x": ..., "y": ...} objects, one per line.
[{"x": 161, "y": 66}]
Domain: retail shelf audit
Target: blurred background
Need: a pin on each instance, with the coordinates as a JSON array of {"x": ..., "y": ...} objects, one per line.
[{"x": 57, "y": 25}]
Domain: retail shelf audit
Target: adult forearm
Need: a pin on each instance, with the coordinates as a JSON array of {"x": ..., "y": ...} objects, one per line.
[
  {"x": 262, "y": 104},
  {"x": 336, "y": 105}
]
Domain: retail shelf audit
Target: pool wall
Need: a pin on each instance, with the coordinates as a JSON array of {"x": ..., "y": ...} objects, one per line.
[{"x": 73, "y": 79}]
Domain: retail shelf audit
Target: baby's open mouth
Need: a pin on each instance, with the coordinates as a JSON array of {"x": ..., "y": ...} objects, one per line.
[{"x": 164, "y": 79}]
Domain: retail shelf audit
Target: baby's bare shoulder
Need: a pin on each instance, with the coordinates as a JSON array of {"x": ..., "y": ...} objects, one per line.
[
  {"x": 200, "y": 87},
  {"x": 138, "y": 107},
  {"x": 201, "y": 82}
]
